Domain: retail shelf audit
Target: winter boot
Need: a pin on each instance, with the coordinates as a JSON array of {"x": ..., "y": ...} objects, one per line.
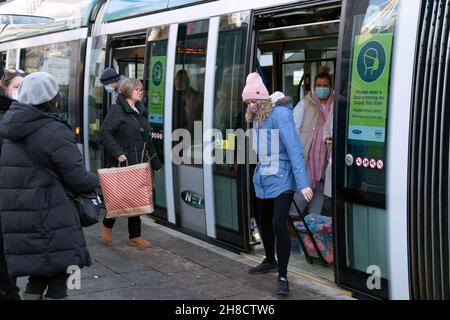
[
  {"x": 106, "y": 235},
  {"x": 139, "y": 242}
]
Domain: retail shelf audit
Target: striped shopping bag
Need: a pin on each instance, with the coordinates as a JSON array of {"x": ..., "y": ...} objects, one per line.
[{"x": 127, "y": 191}]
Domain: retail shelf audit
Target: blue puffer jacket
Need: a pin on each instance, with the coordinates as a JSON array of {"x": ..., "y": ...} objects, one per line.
[{"x": 284, "y": 169}]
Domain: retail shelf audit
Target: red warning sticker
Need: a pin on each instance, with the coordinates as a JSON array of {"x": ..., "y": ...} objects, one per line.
[
  {"x": 380, "y": 164},
  {"x": 359, "y": 162},
  {"x": 366, "y": 163},
  {"x": 373, "y": 163}
]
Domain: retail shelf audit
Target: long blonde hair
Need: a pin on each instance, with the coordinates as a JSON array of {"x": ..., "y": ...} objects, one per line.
[{"x": 264, "y": 111}]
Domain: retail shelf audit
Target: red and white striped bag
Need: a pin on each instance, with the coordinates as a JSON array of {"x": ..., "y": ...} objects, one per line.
[{"x": 127, "y": 191}]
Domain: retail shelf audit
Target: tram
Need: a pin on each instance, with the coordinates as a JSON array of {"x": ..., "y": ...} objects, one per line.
[{"x": 390, "y": 60}]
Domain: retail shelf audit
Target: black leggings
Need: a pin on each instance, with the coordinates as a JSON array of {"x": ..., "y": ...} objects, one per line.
[
  {"x": 274, "y": 219},
  {"x": 134, "y": 226}
]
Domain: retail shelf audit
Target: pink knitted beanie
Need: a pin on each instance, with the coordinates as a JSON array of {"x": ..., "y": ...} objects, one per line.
[{"x": 255, "y": 88}]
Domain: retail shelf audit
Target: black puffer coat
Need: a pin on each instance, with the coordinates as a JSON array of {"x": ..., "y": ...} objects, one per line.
[
  {"x": 126, "y": 132},
  {"x": 5, "y": 103},
  {"x": 41, "y": 228}
]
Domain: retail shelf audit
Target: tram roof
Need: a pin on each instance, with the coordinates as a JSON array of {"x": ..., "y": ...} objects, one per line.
[{"x": 63, "y": 15}]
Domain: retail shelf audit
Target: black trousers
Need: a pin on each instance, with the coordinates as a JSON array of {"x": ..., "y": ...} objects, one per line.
[
  {"x": 134, "y": 226},
  {"x": 8, "y": 288},
  {"x": 274, "y": 226},
  {"x": 56, "y": 286},
  {"x": 330, "y": 203}
]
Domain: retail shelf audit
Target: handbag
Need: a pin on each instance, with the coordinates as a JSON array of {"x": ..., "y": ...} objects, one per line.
[
  {"x": 127, "y": 191},
  {"x": 88, "y": 205}
]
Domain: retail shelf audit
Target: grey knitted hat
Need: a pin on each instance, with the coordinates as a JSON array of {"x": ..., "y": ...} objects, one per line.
[
  {"x": 108, "y": 76},
  {"x": 38, "y": 88}
]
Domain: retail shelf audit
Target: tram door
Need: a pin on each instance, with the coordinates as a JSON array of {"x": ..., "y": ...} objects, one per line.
[
  {"x": 291, "y": 48},
  {"x": 364, "y": 66},
  {"x": 188, "y": 96}
]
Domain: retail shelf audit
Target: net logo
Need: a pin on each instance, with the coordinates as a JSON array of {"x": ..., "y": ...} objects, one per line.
[{"x": 193, "y": 199}]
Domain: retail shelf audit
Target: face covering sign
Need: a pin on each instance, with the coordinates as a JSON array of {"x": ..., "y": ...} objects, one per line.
[
  {"x": 369, "y": 93},
  {"x": 156, "y": 89}
]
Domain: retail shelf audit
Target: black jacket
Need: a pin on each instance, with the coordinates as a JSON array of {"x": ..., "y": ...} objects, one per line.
[
  {"x": 41, "y": 228},
  {"x": 5, "y": 103},
  {"x": 126, "y": 132}
]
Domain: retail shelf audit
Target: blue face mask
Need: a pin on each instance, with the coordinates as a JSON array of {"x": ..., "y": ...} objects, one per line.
[
  {"x": 109, "y": 89},
  {"x": 323, "y": 92}
]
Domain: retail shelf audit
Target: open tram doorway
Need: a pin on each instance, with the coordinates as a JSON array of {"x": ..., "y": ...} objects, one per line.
[{"x": 290, "y": 45}]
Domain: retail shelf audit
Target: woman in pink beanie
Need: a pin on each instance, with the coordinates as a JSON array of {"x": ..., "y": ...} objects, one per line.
[{"x": 280, "y": 172}]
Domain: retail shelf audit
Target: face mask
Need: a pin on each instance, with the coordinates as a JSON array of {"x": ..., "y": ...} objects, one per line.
[
  {"x": 323, "y": 92},
  {"x": 255, "y": 108},
  {"x": 15, "y": 95},
  {"x": 109, "y": 89}
]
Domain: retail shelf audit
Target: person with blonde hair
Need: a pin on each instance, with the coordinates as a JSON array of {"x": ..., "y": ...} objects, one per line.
[
  {"x": 279, "y": 174},
  {"x": 126, "y": 135},
  {"x": 310, "y": 116}
]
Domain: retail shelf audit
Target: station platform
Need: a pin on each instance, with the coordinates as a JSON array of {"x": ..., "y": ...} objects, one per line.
[{"x": 179, "y": 267}]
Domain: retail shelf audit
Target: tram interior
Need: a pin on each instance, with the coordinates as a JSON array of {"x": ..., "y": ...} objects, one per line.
[{"x": 291, "y": 47}]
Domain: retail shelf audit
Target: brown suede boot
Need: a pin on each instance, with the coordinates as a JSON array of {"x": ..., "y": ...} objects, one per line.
[
  {"x": 106, "y": 235},
  {"x": 139, "y": 242}
]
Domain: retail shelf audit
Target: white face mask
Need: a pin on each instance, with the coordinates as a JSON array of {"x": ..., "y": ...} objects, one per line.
[{"x": 15, "y": 95}]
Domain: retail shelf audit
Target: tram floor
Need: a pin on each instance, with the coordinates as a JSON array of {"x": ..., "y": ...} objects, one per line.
[{"x": 298, "y": 263}]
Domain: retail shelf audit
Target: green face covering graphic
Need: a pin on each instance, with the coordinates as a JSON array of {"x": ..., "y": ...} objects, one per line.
[
  {"x": 156, "y": 85},
  {"x": 369, "y": 94}
]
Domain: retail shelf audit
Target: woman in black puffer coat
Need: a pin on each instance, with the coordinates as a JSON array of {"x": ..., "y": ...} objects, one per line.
[
  {"x": 125, "y": 133},
  {"x": 9, "y": 85},
  {"x": 40, "y": 225}
]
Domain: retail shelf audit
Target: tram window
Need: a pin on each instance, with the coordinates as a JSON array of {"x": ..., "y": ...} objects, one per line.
[
  {"x": 189, "y": 82},
  {"x": 176, "y": 3},
  {"x": 228, "y": 115},
  {"x": 58, "y": 60},
  {"x": 2, "y": 61},
  {"x": 11, "y": 59},
  {"x": 365, "y": 92},
  {"x": 96, "y": 101},
  {"x": 155, "y": 88},
  {"x": 265, "y": 63}
]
